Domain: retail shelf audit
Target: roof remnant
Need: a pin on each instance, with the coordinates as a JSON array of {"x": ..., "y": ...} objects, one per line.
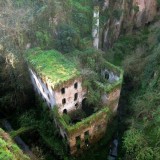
[{"x": 52, "y": 65}]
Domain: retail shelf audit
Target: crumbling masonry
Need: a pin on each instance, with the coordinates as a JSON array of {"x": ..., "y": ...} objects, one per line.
[{"x": 60, "y": 85}]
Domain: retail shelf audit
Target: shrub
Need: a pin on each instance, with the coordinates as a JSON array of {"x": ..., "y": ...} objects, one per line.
[{"x": 67, "y": 38}]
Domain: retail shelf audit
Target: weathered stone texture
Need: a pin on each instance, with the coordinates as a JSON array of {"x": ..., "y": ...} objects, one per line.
[
  {"x": 134, "y": 13},
  {"x": 96, "y": 130},
  {"x": 111, "y": 99},
  {"x": 69, "y": 94}
]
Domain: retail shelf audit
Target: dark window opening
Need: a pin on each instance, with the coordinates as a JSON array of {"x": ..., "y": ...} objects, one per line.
[
  {"x": 106, "y": 75},
  {"x": 86, "y": 137},
  {"x": 78, "y": 142},
  {"x": 76, "y": 85},
  {"x": 76, "y": 105},
  {"x": 75, "y": 96},
  {"x": 63, "y": 90},
  {"x": 65, "y": 111},
  {"x": 63, "y": 101}
]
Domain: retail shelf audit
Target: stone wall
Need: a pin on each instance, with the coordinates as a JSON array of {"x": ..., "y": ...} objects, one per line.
[
  {"x": 68, "y": 97},
  {"x": 72, "y": 93},
  {"x": 43, "y": 89},
  {"x": 111, "y": 99},
  {"x": 94, "y": 126},
  {"x": 87, "y": 134}
]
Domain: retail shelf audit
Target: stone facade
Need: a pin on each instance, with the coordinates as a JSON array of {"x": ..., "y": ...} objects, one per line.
[
  {"x": 87, "y": 135},
  {"x": 111, "y": 99},
  {"x": 67, "y": 98},
  {"x": 68, "y": 95},
  {"x": 43, "y": 89},
  {"x": 91, "y": 129},
  {"x": 72, "y": 94}
]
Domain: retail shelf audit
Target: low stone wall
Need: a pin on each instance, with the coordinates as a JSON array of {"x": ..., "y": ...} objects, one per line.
[
  {"x": 111, "y": 99},
  {"x": 87, "y": 135},
  {"x": 84, "y": 133}
]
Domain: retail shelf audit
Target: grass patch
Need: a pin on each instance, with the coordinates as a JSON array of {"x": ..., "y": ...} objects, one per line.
[{"x": 52, "y": 65}]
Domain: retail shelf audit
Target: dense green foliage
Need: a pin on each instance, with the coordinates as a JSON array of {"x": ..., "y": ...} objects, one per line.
[
  {"x": 9, "y": 150},
  {"x": 66, "y": 25},
  {"x": 57, "y": 69},
  {"x": 141, "y": 62},
  {"x": 91, "y": 63}
]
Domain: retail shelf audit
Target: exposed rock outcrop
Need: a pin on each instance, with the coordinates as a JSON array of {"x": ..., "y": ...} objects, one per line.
[
  {"x": 146, "y": 13},
  {"x": 124, "y": 14}
]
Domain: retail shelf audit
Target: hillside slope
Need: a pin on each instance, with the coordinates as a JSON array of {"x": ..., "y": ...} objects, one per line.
[{"x": 8, "y": 149}]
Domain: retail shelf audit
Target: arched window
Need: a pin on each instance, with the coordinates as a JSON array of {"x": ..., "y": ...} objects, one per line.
[
  {"x": 106, "y": 75},
  {"x": 65, "y": 111}
]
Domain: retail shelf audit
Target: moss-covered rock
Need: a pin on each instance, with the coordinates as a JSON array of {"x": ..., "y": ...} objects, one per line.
[{"x": 9, "y": 150}]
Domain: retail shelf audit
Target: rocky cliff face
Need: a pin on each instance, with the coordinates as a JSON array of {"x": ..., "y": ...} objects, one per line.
[{"x": 125, "y": 15}]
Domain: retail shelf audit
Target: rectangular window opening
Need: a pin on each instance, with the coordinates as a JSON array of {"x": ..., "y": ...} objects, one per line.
[
  {"x": 63, "y": 101},
  {"x": 63, "y": 90},
  {"x": 76, "y": 85},
  {"x": 86, "y": 137},
  {"x": 75, "y": 96},
  {"x": 78, "y": 142}
]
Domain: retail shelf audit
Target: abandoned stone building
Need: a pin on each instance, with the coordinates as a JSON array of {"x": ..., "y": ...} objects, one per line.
[{"x": 60, "y": 84}]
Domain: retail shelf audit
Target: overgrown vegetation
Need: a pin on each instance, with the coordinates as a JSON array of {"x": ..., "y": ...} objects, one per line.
[
  {"x": 141, "y": 62},
  {"x": 57, "y": 69},
  {"x": 66, "y": 26},
  {"x": 92, "y": 63},
  {"x": 70, "y": 129},
  {"x": 9, "y": 150}
]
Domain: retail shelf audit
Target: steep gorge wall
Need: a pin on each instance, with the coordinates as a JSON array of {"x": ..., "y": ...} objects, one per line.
[{"x": 124, "y": 15}]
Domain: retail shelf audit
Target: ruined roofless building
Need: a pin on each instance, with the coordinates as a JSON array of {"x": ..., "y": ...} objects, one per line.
[{"x": 60, "y": 84}]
